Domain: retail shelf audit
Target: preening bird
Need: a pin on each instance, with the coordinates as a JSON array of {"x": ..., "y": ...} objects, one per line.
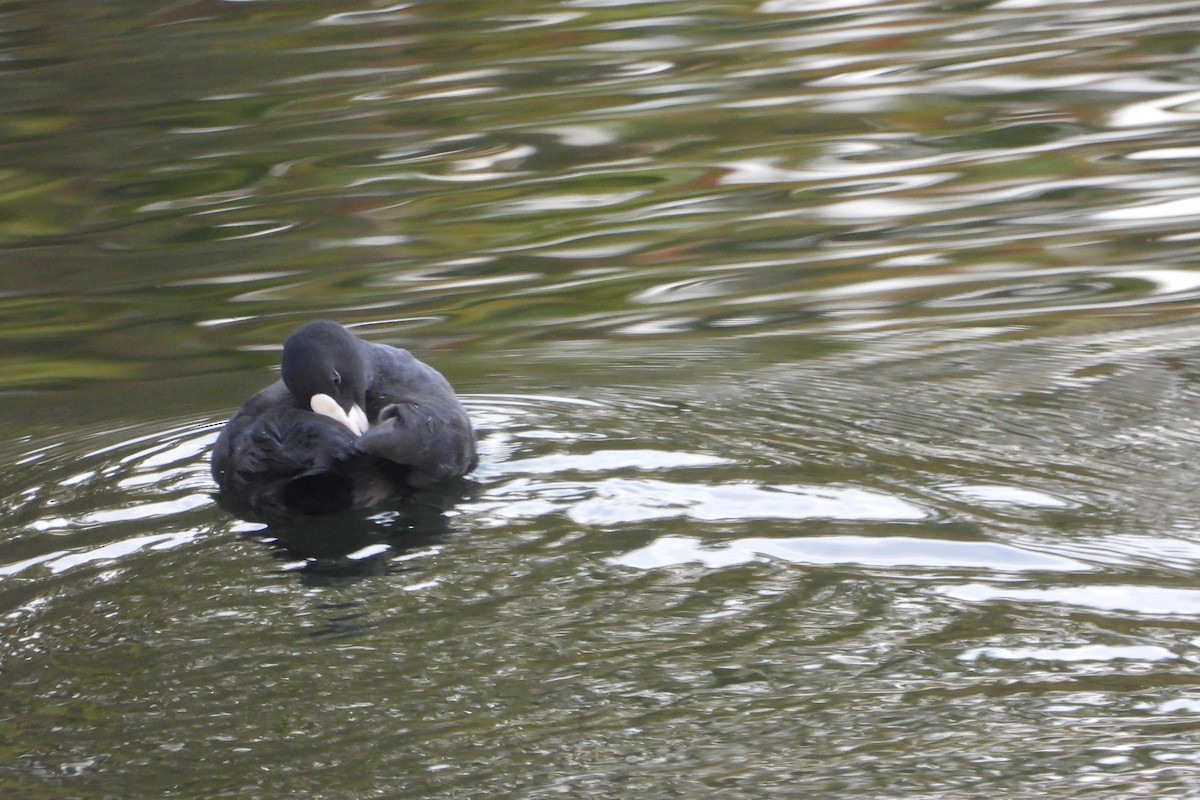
[{"x": 350, "y": 425}]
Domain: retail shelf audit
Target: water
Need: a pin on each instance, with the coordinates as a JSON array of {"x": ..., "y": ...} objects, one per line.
[{"x": 834, "y": 366}]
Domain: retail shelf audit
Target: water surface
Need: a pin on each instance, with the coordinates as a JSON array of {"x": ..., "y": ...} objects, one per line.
[{"x": 833, "y": 362}]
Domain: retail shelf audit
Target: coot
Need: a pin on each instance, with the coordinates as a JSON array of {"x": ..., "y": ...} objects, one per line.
[{"x": 351, "y": 424}]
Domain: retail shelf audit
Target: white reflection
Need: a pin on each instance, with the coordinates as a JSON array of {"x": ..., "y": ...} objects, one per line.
[
  {"x": 162, "y": 541},
  {"x": 888, "y": 551},
  {"x": 581, "y": 135},
  {"x": 642, "y": 44},
  {"x": 62, "y": 561},
  {"x": 180, "y": 451},
  {"x": 566, "y": 202},
  {"x": 370, "y": 241},
  {"x": 368, "y": 552},
  {"x": 1090, "y": 652},
  {"x": 1166, "y": 281},
  {"x": 808, "y": 6},
  {"x": 1165, "y": 153},
  {"x": 1179, "y": 704},
  {"x": 1137, "y": 599},
  {"x": 1014, "y": 4},
  {"x": 492, "y": 160},
  {"x": 1180, "y": 207},
  {"x": 877, "y": 208},
  {"x": 837, "y": 163},
  {"x": 657, "y": 327},
  {"x": 126, "y": 514},
  {"x": 464, "y": 75},
  {"x": 605, "y": 461},
  {"x": 447, "y": 94},
  {"x": 517, "y": 23},
  {"x": 761, "y": 170},
  {"x": 690, "y": 289},
  {"x": 621, "y": 500},
  {"x": 866, "y": 77},
  {"x": 21, "y": 566},
  {"x": 374, "y": 16},
  {"x": 1008, "y": 496},
  {"x": 253, "y": 229},
  {"x": 617, "y": 501},
  {"x": 640, "y": 69},
  {"x": 1176, "y": 109}
]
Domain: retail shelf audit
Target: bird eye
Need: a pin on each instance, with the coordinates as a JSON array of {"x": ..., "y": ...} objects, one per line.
[{"x": 336, "y": 378}]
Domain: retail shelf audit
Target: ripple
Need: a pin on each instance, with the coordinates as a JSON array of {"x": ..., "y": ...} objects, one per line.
[
  {"x": 1014, "y": 292},
  {"x": 1070, "y": 655},
  {"x": 1177, "y": 109},
  {"x": 1148, "y": 600},
  {"x": 622, "y": 501},
  {"x": 798, "y": 6},
  {"x": 61, "y": 561},
  {"x": 126, "y": 513},
  {"x": 1179, "y": 207},
  {"x": 1010, "y": 496},
  {"x": 604, "y": 461},
  {"x": 375, "y": 16},
  {"x": 148, "y": 480},
  {"x": 890, "y": 551}
]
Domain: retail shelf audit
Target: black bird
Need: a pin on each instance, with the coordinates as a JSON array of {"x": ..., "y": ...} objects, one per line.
[{"x": 350, "y": 425}]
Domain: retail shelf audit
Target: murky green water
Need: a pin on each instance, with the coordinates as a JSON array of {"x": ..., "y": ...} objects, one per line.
[{"x": 835, "y": 367}]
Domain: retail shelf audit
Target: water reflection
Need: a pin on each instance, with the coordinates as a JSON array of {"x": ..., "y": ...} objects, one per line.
[
  {"x": 344, "y": 546},
  {"x": 1148, "y": 600},
  {"x": 1171, "y": 110},
  {"x": 833, "y": 361},
  {"x": 1094, "y": 652},
  {"x": 617, "y": 501},
  {"x": 890, "y": 551}
]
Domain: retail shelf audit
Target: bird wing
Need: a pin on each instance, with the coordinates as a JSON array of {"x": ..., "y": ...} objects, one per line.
[{"x": 416, "y": 419}]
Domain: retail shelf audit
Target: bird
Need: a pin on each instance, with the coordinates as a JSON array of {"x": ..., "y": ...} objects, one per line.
[{"x": 350, "y": 425}]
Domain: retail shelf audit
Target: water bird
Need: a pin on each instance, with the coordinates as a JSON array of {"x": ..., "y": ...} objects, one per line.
[{"x": 350, "y": 424}]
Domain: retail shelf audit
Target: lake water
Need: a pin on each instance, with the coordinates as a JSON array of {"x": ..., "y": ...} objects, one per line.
[{"x": 836, "y": 366}]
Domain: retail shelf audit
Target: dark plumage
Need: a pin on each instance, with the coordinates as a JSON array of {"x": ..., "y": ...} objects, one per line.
[{"x": 350, "y": 425}]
